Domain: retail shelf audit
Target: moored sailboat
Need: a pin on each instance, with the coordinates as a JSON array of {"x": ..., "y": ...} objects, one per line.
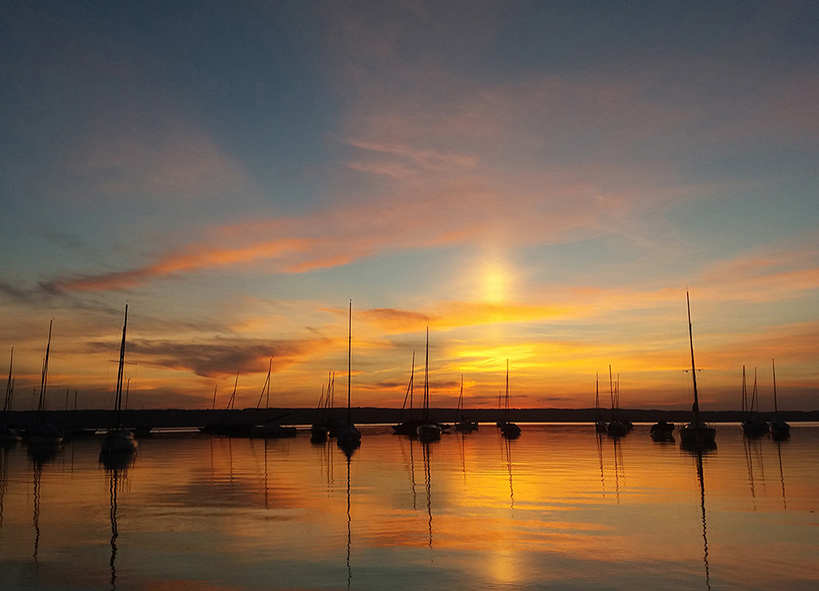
[
  {"x": 410, "y": 426},
  {"x": 44, "y": 435},
  {"x": 779, "y": 428},
  {"x": 465, "y": 425},
  {"x": 8, "y": 435},
  {"x": 119, "y": 440},
  {"x": 428, "y": 430},
  {"x": 614, "y": 427},
  {"x": 599, "y": 423},
  {"x": 696, "y": 433},
  {"x": 508, "y": 429},
  {"x": 752, "y": 424},
  {"x": 349, "y": 436}
]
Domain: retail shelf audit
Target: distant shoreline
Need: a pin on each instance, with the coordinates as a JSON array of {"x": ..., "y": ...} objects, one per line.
[{"x": 180, "y": 418}]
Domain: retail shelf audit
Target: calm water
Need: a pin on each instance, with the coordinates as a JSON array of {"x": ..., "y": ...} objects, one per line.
[{"x": 558, "y": 508}]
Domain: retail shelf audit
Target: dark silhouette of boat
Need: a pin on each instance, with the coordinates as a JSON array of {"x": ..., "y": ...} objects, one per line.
[
  {"x": 223, "y": 426},
  {"x": 318, "y": 430},
  {"x": 780, "y": 430},
  {"x": 465, "y": 425},
  {"x": 117, "y": 439},
  {"x": 508, "y": 429},
  {"x": 270, "y": 428},
  {"x": 615, "y": 427},
  {"x": 7, "y": 434},
  {"x": 43, "y": 434},
  {"x": 599, "y": 423},
  {"x": 696, "y": 434},
  {"x": 662, "y": 431},
  {"x": 752, "y": 423},
  {"x": 410, "y": 426},
  {"x": 349, "y": 437},
  {"x": 428, "y": 430}
]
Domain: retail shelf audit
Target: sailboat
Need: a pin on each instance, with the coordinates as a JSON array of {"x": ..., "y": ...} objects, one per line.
[
  {"x": 318, "y": 430},
  {"x": 599, "y": 423},
  {"x": 614, "y": 427},
  {"x": 428, "y": 430},
  {"x": 696, "y": 433},
  {"x": 348, "y": 436},
  {"x": 465, "y": 425},
  {"x": 119, "y": 440},
  {"x": 508, "y": 430},
  {"x": 8, "y": 435},
  {"x": 410, "y": 426},
  {"x": 779, "y": 428},
  {"x": 271, "y": 428},
  {"x": 44, "y": 434},
  {"x": 752, "y": 425}
]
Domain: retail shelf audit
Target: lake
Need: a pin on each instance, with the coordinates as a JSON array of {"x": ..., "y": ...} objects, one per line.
[{"x": 558, "y": 508}]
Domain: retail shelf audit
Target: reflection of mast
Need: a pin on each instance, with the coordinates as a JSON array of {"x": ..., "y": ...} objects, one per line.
[
  {"x": 508, "y": 445},
  {"x": 746, "y": 444},
  {"x": 618, "y": 457},
  {"x": 781, "y": 479},
  {"x": 600, "y": 457},
  {"x": 411, "y": 472},
  {"x": 701, "y": 477},
  {"x": 349, "y": 526},
  {"x": 266, "y": 504},
  {"x": 38, "y": 469},
  {"x": 428, "y": 485},
  {"x": 4, "y": 478},
  {"x": 113, "y": 488}
]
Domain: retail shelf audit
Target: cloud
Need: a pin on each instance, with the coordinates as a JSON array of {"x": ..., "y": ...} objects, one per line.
[{"x": 221, "y": 357}]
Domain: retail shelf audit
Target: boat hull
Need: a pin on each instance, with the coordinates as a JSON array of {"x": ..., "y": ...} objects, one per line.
[
  {"x": 693, "y": 434},
  {"x": 119, "y": 441},
  {"x": 510, "y": 431},
  {"x": 616, "y": 428},
  {"x": 429, "y": 432}
]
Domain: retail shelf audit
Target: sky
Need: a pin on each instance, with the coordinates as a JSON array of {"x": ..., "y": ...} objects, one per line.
[{"x": 537, "y": 182}]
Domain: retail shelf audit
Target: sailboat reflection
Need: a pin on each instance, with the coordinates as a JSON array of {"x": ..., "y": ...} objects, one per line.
[
  {"x": 38, "y": 472},
  {"x": 428, "y": 485},
  {"x": 508, "y": 445},
  {"x": 753, "y": 448},
  {"x": 4, "y": 479},
  {"x": 410, "y": 469},
  {"x": 599, "y": 437},
  {"x": 349, "y": 456},
  {"x": 701, "y": 478},
  {"x": 619, "y": 466},
  {"x": 781, "y": 480}
]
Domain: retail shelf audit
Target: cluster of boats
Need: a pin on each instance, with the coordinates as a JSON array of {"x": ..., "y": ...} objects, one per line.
[{"x": 119, "y": 440}]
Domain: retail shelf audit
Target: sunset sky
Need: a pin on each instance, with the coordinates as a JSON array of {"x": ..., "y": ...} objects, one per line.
[{"x": 534, "y": 181}]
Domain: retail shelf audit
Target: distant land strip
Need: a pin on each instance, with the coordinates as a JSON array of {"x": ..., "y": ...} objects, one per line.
[{"x": 179, "y": 418}]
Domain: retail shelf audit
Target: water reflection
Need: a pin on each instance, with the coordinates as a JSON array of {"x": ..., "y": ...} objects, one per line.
[
  {"x": 236, "y": 514},
  {"x": 701, "y": 478}
]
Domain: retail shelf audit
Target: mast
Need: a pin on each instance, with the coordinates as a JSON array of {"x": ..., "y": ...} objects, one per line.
[
  {"x": 461, "y": 396},
  {"x": 696, "y": 407},
  {"x": 611, "y": 394},
  {"x": 349, "y": 359},
  {"x": 412, "y": 384},
  {"x": 44, "y": 379},
  {"x": 744, "y": 395},
  {"x": 232, "y": 401},
  {"x": 9, "y": 385},
  {"x": 426, "y": 381},
  {"x": 773, "y": 367},
  {"x": 506, "y": 400},
  {"x": 597, "y": 397},
  {"x": 214, "y": 396},
  {"x": 120, "y": 370}
]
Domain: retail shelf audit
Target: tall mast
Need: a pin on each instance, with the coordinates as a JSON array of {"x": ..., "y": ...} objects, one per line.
[
  {"x": 461, "y": 395},
  {"x": 597, "y": 397},
  {"x": 121, "y": 368},
  {"x": 214, "y": 396},
  {"x": 349, "y": 358},
  {"x": 426, "y": 381},
  {"x": 9, "y": 384},
  {"x": 412, "y": 383},
  {"x": 773, "y": 367},
  {"x": 693, "y": 367},
  {"x": 44, "y": 379},
  {"x": 611, "y": 393},
  {"x": 744, "y": 394},
  {"x": 506, "y": 399}
]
